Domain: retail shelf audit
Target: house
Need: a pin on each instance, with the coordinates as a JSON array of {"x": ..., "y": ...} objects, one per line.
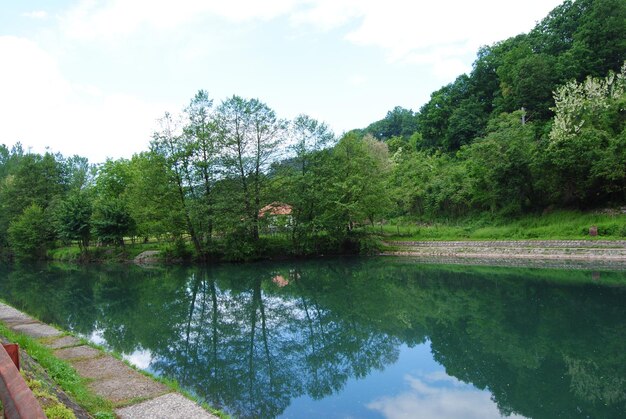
[{"x": 277, "y": 216}]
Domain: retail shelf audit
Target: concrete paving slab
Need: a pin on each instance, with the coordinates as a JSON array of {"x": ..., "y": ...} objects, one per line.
[
  {"x": 168, "y": 406},
  {"x": 36, "y": 330},
  {"x": 62, "y": 342},
  {"x": 103, "y": 367},
  {"x": 11, "y": 316},
  {"x": 116, "y": 381},
  {"x": 77, "y": 352},
  {"x": 112, "y": 379},
  {"x": 124, "y": 389}
]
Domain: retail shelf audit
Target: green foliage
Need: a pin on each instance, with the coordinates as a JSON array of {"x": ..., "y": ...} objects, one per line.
[
  {"x": 152, "y": 199},
  {"x": 556, "y": 225},
  {"x": 112, "y": 221},
  {"x": 29, "y": 234},
  {"x": 73, "y": 219},
  {"x": 586, "y": 142},
  {"x": 500, "y": 166},
  {"x": 398, "y": 122}
]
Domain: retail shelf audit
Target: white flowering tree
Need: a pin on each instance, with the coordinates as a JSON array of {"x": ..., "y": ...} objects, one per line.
[{"x": 587, "y": 142}]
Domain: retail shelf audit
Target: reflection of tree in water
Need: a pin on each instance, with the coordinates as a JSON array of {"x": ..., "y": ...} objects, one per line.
[
  {"x": 254, "y": 351},
  {"x": 244, "y": 341}
]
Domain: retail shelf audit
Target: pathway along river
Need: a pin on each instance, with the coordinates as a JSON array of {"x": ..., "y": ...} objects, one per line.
[{"x": 380, "y": 337}]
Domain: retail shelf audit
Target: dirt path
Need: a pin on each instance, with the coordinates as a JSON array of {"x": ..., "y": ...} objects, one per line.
[{"x": 135, "y": 395}]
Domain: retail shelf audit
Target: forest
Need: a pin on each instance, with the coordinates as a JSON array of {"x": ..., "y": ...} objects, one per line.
[{"x": 538, "y": 124}]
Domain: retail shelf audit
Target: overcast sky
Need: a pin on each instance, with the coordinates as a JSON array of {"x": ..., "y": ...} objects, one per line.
[{"x": 91, "y": 77}]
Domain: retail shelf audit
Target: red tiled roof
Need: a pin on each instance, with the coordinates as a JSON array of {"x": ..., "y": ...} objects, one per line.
[{"x": 275, "y": 208}]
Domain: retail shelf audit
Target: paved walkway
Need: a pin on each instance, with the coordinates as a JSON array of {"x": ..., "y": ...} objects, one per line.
[{"x": 136, "y": 395}]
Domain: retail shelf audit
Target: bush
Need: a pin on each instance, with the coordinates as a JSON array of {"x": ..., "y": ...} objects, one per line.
[
  {"x": 178, "y": 250},
  {"x": 28, "y": 235}
]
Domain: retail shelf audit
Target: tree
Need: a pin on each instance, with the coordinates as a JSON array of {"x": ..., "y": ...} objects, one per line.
[
  {"x": 169, "y": 144},
  {"x": 585, "y": 145},
  {"x": 354, "y": 195},
  {"x": 298, "y": 180},
  {"x": 111, "y": 216},
  {"x": 398, "y": 122},
  {"x": 250, "y": 135},
  {"x": 73, "y": 218},
  {"x": 30, "y": 179},
  {"x": 499, "y": 165},
  {"x": 201, "y": 139},
  {"x": 28, "y": 234},
  {"x": 152, "y": 198},
  {"x": 112, "y": 222},
  {"x": 452, "y": 117}
]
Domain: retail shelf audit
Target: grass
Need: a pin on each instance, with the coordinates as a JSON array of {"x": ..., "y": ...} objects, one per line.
[
  {"x": 557, "y": 225},
  {"x": 63, "y": 374},
  {"x": 72, "y": 253},
  {"x": 50, "y": 404}
]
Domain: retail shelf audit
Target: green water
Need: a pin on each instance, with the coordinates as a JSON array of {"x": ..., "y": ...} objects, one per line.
[{"x": 360, "y": 338}]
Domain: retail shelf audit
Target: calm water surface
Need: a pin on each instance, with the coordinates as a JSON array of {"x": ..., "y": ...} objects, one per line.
[{"x": 354, "y": 338}]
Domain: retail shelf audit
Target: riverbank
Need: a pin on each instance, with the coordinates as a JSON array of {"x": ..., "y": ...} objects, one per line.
[
  {"x": 532, "y": 250},
  {"x": 129, "y": 393},
  {"x": 610, "y": 224}
]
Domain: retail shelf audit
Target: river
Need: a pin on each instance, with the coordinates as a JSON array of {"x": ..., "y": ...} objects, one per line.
[{"x": 353, "y": 338}]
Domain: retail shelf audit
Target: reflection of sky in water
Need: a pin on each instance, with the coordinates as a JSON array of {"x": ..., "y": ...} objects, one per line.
[
  {"x": 97, "y": 337},
  {"x": 416, "y": 386},
  {"x": 141, "y": 358}
]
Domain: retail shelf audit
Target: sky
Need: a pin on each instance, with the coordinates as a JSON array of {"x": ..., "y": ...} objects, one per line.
[{"x": 91, "y": 77}]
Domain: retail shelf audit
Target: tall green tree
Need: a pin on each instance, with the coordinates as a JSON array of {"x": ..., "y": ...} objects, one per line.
[
  {"x": 169, "y": 143},
  {"x": 202, "y": 142},
  {"x": 499, "y": 165},
  {"x": 355, "y": 195},
  {"x": 152, "y": 197},
  {"x": 299, "y": 180},
  {"x": 251, "y": 136},
  {"x": 30, "y": 179},
  {"x": 73, "y": 218}
]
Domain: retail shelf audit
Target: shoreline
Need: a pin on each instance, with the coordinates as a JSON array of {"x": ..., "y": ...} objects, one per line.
[
  {"x": 499, "y": 250},
  {"x": 132, "y": 394}
]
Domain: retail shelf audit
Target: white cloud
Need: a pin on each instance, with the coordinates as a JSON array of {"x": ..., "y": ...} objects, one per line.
[
  {"x": 40, "y": 108},
  {"x": 92, "y": 19},
  {"x": 36, "y": 14},
  {"x": 427, "y": 400},
  {"x": 437, "y": 33}
]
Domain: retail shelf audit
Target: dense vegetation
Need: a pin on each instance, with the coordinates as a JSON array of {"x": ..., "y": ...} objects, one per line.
[{"x": 538, "y": 124}]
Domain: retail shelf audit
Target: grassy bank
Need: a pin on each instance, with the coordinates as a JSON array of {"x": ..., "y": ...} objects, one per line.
[
  {"x": 267, "y": 247},
  {"x": 66, "y": 377},
  {"x": 557, "y": 225},
  {"x": 62, "y": 374}
]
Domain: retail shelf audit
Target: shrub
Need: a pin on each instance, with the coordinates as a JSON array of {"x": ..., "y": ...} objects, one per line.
[{"x": 28, "y": 235}]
